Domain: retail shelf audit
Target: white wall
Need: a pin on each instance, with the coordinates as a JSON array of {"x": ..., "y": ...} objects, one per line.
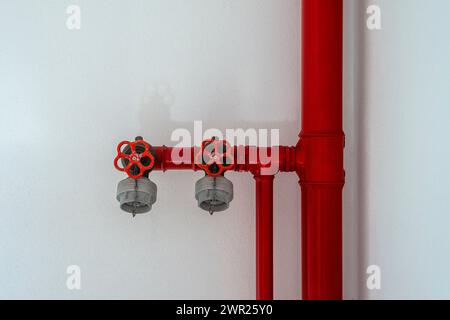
[
  {"x": 397, "y": 159},
  {"x": 148, "y": 67},
  {"x": 141, "y": 67}
]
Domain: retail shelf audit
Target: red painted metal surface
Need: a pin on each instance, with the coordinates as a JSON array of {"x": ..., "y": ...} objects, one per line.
[
  {"x": 264, "y": 237},
  {"x": 289, "y": 159},
  {"x": 322, "y": 143}
]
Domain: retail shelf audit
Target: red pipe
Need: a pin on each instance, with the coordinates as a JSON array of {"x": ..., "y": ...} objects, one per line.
[
  {"x": 322, "y": 143},
  {"x": 264, "y": 237}
]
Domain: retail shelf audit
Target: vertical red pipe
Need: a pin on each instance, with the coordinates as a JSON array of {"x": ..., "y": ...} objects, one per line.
[
  {"x": 264, "y": 237},
  {"x": 322, "y": 142}
]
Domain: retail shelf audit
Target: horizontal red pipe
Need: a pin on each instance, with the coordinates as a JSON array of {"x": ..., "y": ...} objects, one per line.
[
  {"x": 264, "y": 237},
  {"x": 246, "y": 158}
]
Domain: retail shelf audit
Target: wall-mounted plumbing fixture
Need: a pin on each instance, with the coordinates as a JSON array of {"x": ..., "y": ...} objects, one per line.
[
  {"x": 214, "y": 192},
  {"x": 317, "y": 159},
  {"x": 137, "y": 159},
  {"x": 136, "y": 196},
  {"x": 137, "y": 193}
]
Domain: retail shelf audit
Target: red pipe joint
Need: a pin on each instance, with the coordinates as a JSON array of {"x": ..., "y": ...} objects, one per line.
[{"x": 322, "y": 159}]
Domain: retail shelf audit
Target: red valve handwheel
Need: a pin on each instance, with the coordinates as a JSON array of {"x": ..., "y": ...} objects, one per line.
[
  {"x": 215, "y": 157},
  {"x": 131, "y": 156}
]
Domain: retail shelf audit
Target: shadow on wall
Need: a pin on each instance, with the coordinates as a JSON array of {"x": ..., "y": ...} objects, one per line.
[
  {"x": 360, "y": 133},
  {"x": 155, "y": 115}
]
